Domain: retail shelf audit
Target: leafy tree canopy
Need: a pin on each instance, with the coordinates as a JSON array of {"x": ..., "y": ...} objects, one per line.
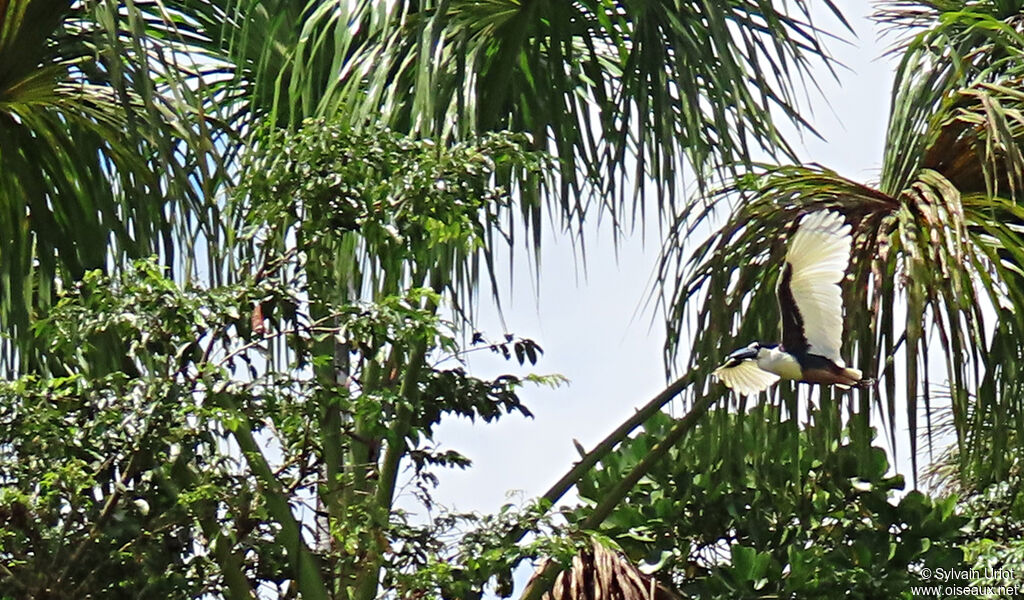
[{"x": 720, "y": 517}]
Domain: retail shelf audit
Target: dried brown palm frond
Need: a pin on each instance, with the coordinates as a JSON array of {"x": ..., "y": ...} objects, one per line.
[{"x": 603, "y": 574}]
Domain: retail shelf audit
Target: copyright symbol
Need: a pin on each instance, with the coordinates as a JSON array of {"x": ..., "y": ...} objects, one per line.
[{"x": 926, "y": 573}]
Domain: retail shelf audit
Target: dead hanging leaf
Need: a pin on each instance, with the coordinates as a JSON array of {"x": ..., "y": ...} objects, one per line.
[
  {"x": 602, "y": 574},
  {"x": 258, "y": 328}
]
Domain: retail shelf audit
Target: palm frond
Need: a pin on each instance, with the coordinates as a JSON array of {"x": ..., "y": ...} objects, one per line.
[
  {"x": 952, "y": 46},
  {"x": 668, "y": 83},
  {"x": 928, "y": 268},
  {"x": 975, "y": 141},
  {"x": 935, "y": 294},
  {"x": 101, "y": 153}
]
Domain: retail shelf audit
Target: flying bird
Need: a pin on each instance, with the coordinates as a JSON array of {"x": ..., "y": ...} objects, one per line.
[{"x": 811, "y": 305}]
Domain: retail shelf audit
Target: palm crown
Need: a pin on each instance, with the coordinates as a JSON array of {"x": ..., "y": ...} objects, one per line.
[{"x": 934, "y": 296}]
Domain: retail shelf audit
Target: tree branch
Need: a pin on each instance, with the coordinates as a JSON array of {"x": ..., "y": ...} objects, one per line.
[
  {"x": 566, "y": 483},
  {"x": 581, "y": 468},
  {"x": 546, "y": 578},
  {"x": 303, "y": 563}
]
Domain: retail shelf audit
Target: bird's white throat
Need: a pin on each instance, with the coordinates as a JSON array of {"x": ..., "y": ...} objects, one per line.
[{"x": 781, "y": 363}]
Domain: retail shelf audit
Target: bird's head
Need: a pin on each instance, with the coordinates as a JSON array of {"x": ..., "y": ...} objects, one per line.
[
  {"x": 748, "y": 353},
  {"x": 752, "y": 352}
]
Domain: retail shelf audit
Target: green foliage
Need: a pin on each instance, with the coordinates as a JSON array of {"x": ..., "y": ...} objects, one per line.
[
  {"x": 174, "y": 441},
  {"x": 667, "y": 81},
  {"x": 772, "y": 512},
  {"x": 254, "y": 434},
  {"x": 995, "y": 537},
  {"x": 379, "y": 212},
  {"x": 113, "y": 470},
  {"x": 104, "y": 149},
  {"x": 470, "y": 553},
  {"x": 949, "y": 50},
  {"x": 120, "y": 478}
]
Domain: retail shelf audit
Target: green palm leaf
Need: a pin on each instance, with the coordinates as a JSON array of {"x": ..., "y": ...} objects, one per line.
[
  {"x": 670, "y": 83},
  {"x": 101, "y": 153}
]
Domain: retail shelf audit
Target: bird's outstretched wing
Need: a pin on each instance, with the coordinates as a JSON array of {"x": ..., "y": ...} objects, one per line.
[
  {"x": 745, "y": 377},
  {"x": 809, "y": 296}
]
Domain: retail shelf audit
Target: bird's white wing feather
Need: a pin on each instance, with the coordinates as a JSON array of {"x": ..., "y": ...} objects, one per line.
[
  {"x": 746, "y": 378},
  {"x": 819, "y": 253}
]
